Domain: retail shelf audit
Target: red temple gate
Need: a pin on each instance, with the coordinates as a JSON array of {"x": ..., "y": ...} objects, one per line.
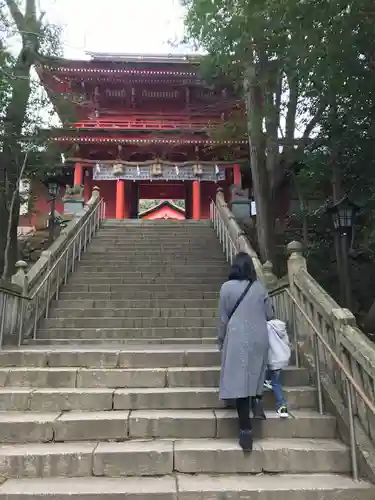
[{"x": 142, "y": 130}]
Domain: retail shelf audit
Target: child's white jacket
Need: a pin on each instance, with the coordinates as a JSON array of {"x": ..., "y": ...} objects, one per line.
[{"x": 279, "y": 350}]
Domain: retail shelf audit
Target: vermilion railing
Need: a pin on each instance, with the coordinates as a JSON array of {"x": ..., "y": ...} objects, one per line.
[{"x": 140, "y": 122}]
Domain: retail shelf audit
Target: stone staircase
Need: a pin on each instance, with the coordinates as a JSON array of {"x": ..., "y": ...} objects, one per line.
[{"x": 118, "y": 398}]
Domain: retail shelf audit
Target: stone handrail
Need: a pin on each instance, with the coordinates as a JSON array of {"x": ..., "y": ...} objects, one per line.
[
  {"x": 307, "y": 308},
  {"x": 10, "y": 304},
  {"x": 27, "y": 298},
  {"x": 339, "y": 329},
  {"x": 48, "y": 257},
  {"x": 234, "y": 239}
]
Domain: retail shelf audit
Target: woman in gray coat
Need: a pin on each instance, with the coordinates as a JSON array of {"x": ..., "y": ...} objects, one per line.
[{"x": 245, "y": 309}]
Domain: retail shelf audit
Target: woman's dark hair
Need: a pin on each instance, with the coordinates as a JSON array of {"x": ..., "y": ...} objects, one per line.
[{"x": 243, "y": 268}]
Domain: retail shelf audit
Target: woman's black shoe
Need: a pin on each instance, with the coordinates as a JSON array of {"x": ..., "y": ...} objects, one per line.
[
  {"x": 258, "y": 411},
  {"x": 246, "y": 440}
]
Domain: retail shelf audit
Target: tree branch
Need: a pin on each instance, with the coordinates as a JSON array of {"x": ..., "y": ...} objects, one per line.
[
  {"x": 30, "y": 11},
  {"x": 314, "y": 121},
  {"x": 290, "y": 122},
  {"x": 16, "y": 14}
]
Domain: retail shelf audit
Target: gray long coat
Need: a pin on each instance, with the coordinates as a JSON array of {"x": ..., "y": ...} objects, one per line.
[{"x": 244, "y": 339}]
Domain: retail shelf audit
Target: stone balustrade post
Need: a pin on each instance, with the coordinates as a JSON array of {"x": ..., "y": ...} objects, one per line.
[
  {"x": 95, "y": 192},
  {"x": 270, "y": 280},
  {"x": 296, "y": 262},
  {"x": 340, "y": 319},
  {"x": 20, "y": 277}
]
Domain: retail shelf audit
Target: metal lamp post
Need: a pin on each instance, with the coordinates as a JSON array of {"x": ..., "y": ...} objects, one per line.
[
  {"x": 343, "y": 217},
  {"x": 53, "y": 189}
]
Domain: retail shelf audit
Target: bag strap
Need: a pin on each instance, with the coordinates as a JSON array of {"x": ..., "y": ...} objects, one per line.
[{"x": 239, "y": 300}]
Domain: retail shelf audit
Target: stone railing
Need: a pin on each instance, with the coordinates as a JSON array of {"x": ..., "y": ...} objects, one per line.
[
  {"x": 11, "y": 297},
  {"x": 26, "y": 300},
  {"x": 311, "y": 309},
  {"x": 233, "y": 239},
  {"x": 325, "y": 337}
]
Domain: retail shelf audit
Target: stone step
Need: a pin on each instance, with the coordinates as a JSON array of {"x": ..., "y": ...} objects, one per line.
[
  {"x": 191, "y": 487},
  {"x": 156, "y": 250},
  {"x": 165, "y": 457},
  {"x": 137, "y": 224},
  {"x": 152, "y": 288},
  {"x": 136, "y": 356},
  {"x": 92, "y": 342},
  {"x": 150, "y": 260},
  {"x": 146, "y": 231},
  {"x": 115, "y": 378},
  {"x": 183, "y": 246},
  {"x": 150, "y": 273},
  {"x": 156, "y": 280},
  {"x": 139, "y": 295},
  {"x": 149, "y": 229},
  {"x": 174, "y": 266},
  {"x": 62, "y": 312},
  {"x": 163, "y": 236},
  {"x": 158, "y": 241},
  {"x": 64, "y": 303},
  {"x": 224, "y": 424},
  {"x": 129, "y": 334},
  {"x": 130, "y": 322},
  {"x": 190, "y": 257},
  {"x": 29, "y": 427},
  {"x": 86, "y": 399}
]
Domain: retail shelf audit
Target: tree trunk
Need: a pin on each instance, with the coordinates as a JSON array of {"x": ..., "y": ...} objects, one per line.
[
  {"x": 11, "y": 161},
  {"x": 9, "y": 216},
  {"x": 264, "y": 219},
  {"x": 13, "y": 155}
]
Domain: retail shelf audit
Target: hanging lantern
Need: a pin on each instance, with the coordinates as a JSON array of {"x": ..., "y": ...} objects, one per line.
[
  {"x": 177, "y": 170},
  {"x": 138, "y": 171},
  {"x": 217, "y": 170},
  {"x": 156, "y": 170},
  {"x": 117, "y": 169},
  {"x": 197, "y": 170},
  {"x": 97, "y": 168}
]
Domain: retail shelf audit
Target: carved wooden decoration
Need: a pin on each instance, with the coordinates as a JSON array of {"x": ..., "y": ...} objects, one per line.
[
  {"x": 197, "y": 170},
  {"x": 117, "y": 169},
  {"x": 156, "y": 170}
]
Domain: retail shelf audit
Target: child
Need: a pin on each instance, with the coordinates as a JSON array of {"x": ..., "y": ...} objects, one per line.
[{"x": 278, "y": 358}]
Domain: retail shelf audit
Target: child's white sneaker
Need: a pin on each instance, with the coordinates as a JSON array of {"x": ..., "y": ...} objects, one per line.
[
  {"x": 282, "y": 412},
  {"x": 268, "y": 384}
]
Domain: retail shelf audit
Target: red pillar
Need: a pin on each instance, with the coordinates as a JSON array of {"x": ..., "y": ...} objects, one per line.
[
  {"x": 196, "y": 200},
  {"x": 120, "y": 199},
  {"x": 78, "y": 174},
  {"x": 237, "y": 175},
  {"x": 86, "y": 187}
]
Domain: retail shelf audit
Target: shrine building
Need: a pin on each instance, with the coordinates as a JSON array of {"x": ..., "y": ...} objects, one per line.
[
  {"x": 163, "y": 210},
  {"x": 141, "y": 130}
]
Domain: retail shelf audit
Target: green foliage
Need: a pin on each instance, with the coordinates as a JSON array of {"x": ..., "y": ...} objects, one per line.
[
  {"x": 24, "y": 110},
  {"x": 324, "y": 51}
]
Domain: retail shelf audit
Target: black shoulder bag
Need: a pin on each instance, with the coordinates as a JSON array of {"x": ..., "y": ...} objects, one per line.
[{"x": 240, "y": 299}]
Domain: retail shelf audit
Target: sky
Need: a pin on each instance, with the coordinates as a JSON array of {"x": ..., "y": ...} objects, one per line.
[{"x": 119, "y": 26}]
